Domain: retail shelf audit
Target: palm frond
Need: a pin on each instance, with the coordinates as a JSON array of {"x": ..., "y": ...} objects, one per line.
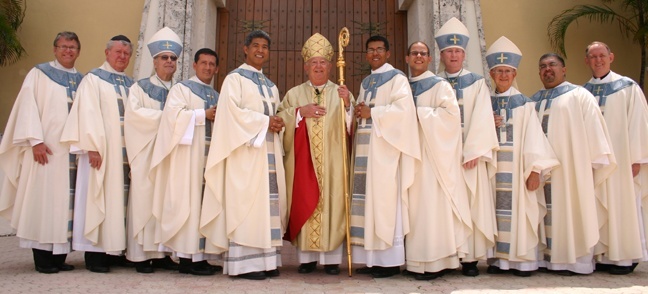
[
  {"x": 558, "y": 26},
  {"x": 12, "y": 13}
]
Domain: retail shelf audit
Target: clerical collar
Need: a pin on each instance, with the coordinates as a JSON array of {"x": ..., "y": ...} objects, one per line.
[
  {"x": 197, "y": 80},
  {"x": 384, "y": 68},
  {"x": 249, "y": 67},
  {"x": 453, "y": 75},
  {"x": 166, "y": 84},
  {"x": 320, "y": 87},
  {"x": 604, "y": 79},
  {"x": 562, "y": 84},
  {"x": 505, "y": 93},
  {"x": 57, "y": 65}
]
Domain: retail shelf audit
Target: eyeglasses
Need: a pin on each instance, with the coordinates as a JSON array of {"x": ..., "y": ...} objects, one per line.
[
  {"x": 503, "y": 71},
  {"x": 551, "y": 64},
  {"x": 379, "y": 50},
  {"x": 64, "y": 48},
  {"x": 416, "y": 53},
  {"x": 166, "y": 57}
]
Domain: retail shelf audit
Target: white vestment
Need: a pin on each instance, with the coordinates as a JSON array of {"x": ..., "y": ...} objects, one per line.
[
  {"x": 177, "y": 166},
  {"x": 386, "y": 149},
  {"x": 439, "y": 212},
  {"x": 624, "y": 108},
  {"x": 143, "y": 110},
  {"x": 244, "y": 208},
  {"x": 520, "y": 213},
  {"x": 576, "y": 130},
  {"x": 95, "y": 124},
  {"x": 479, "y": 141},
  {"x": 36, "y": 198}
]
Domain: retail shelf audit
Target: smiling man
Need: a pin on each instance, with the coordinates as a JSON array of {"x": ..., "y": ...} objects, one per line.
[
  {"x": 244, "y": 208},
  {"x": 576, "y": 130},
  {"x": 141, "y": 120},
  {"x": 523, "y": 158},
  {"x": 178, "y": 161},
  {"x": 624, "y": 107},
  {"x": 314, "y": 160},
  {"x": 480, "y": 140},
  {"x": 39, "y": 171},
  {"x": 94, "y": 130},
  {"x": 438, "y": 208},
  {"x": 386, "y": 149}
]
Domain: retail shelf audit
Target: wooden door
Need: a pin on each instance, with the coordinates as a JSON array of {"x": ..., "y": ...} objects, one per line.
[{"x": 291, "y": 22}]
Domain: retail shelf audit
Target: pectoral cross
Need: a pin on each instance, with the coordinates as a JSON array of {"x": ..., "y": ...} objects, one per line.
[
  {"x": 453, "y": 82},
  {"x": 598, "y": 90},
  {"x": 455, "y": 39},
  {"x": 119, "y": 79},
  {"x": 502, "y": 58},
  {"x": 167, "y": 45},
  {"x": 209, "y": 96}
]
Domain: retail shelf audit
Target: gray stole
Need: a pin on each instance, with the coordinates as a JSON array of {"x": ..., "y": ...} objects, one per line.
[
  {"x": 114, "y": 79},
  {"x": 66, "y": 79},
  {"x": 421, "y": 86},
  {"x": 462, "y": 82},
  {"x": 549, "y": 95},
  {"x": 156, "y": 92},
  {"x": 602, "y": 91},
  {"x": 209, "y": 95}
]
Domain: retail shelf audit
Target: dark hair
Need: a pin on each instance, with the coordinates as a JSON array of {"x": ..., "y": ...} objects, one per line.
[
  {"x": 409, "y": 49},
  {"x": 68, "y": 36},
  {"x": 547, "y": 55},
  {"x": 377, "y": 38},
  {"x": 205, "y": 51},
  {"x": 257, "y": 34}
]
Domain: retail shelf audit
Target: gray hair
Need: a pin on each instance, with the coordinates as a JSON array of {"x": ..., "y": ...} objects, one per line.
[
  {"x": 257, "y": 34},
  {"x": 67, "y": 36},
  {"x": 111, "y": 43},
  {"x": 597, "y": 43}
]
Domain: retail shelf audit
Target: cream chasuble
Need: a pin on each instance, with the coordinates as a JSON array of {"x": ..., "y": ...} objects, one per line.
[
  {"x": 143, "y": 111},
  {"x": 520, "y": 212},
  {"x": 37, "y": 199},
  {"x": 386, "y": 148},
  {"x": 479, "y": 141},
  {"x": 325, "y": 229},
  {"x": 95, "y": 124},
  {"x": 576, "y": 130},
  {"x": 439, "y": 213},
  {"x": 177, "y": 166},
  {"x": 626, "y": 115},
  {"x": 245, "y": 193}
]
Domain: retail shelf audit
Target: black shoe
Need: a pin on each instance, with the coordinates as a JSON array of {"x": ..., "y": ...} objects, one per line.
[
  {"x": 253, "y": 276},
  {"x": 65, "y": 267},
  {"x": 272, "y": 273},
  {"x": 306, "y": 268},
  {"x": 634, "y": 265},
  {"x": 620, "y": 270},
  {"x": 144, "y": 267},
  {"x": 165, "y": 263},
  {"x": 211, "y": 267},
  {"x": 565, "y": 273},
  {"x": 426, "y": 276},
  {"x": 98, "y": 268},
  {"x": 118, "y": 260},
  {"x": 365, "y": 270},
  {"x": 469, "y": 269},
  {"x": 602, "y": 267},
  {"x": 47, "y": 269},
  {"x": 332, "y": 269},
  {"x": 495, "y": 270},
  {"x": 520, "y": 273},
  {"x": 197, "y": 269},
  {"x": 385, "y": 272}
]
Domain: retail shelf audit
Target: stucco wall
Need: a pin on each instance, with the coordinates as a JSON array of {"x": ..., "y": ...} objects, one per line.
[
  {"x": 94, "y": 21},
  {"x": 525, "y": 23}
]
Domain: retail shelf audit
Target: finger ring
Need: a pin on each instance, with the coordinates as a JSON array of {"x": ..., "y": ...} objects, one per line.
[{"x": 317, "y": 112}]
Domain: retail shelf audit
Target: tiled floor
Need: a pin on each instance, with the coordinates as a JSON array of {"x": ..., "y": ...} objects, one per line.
[{"x": 17, "y": 275}]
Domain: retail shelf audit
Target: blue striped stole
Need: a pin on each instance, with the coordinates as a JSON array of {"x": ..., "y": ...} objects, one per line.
[
  {"x": 65, "y": 79},
  {"x": 258, "y": 79},
  {"x": 548, "y": 95},
  {"x": 210, "y": 96},
  {"x": 602, "y": 91},
  {"x": 156, "y": 92},
  {"x": 459, "y": 84},
  {"x": 421, "y": 86},
  {"x": 114, "y": 79}
]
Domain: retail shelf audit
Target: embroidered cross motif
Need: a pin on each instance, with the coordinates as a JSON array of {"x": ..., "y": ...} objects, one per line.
[
  {"x": 119, "y": 79},
  {"x": 598, "y": 90},
  {"x": 502, "y": 58},
  {"x": 545, "y": 95},
  {"x": 373, "y": 82},
  {"x": 454, "y": 39},
  {"x": 502, "y": 103},
  {"x": 73, "y": 83},
  {"x": 167, "y": 45}
]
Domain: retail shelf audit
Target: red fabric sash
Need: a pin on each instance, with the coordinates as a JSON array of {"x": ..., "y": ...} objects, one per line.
[{"x": 305, "y": 190}]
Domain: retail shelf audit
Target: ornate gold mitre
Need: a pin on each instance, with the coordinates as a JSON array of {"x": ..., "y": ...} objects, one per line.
[{"x": 317, "y": 46}]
